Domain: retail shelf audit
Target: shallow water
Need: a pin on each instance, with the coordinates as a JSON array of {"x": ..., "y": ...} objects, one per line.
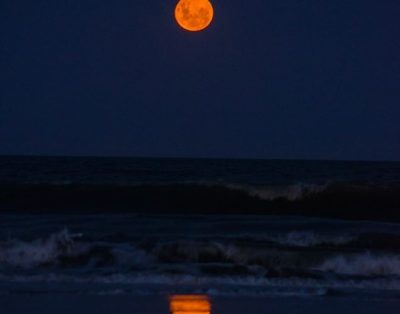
[{"x": 242, "y": 255}]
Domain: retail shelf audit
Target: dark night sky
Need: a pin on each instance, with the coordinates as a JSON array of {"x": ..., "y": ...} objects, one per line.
[{"x": 269, "y": 79}]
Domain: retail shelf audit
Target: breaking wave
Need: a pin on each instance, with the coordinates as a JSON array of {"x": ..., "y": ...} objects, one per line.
[
  {"x": 37, "y": 252},
  {"x": 340, "y": 200},
  {"x": 225, "y": 257},
  {"x": 291, "y": 193},
  {"x": 298, "y": 263},
  {"x": 61, "y": 249}
]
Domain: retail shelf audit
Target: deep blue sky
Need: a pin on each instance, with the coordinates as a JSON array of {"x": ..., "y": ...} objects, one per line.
[{"x": 269, "y": 79}]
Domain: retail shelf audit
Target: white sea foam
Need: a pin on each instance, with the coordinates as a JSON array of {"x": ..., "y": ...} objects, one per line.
[
  {"x": 363, "y": 264},
  {"x": 226, "y": 283},
  {"x": 292, "y": 192},
  {"x": 306, "y": 239},
  {"x": 31, "y": 254},
  {"x": 39, "y": 251}
]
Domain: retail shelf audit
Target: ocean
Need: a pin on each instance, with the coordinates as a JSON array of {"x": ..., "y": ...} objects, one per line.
[{"x": 86, "y": 226}]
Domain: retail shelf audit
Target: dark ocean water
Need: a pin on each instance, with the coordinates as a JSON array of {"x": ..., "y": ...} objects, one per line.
[
  {"x": 353, "y": 190},
  {"x": 120, "y": 225}
]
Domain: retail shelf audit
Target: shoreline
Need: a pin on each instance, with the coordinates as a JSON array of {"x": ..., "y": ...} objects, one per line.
[{"x": 128, "y": 304}]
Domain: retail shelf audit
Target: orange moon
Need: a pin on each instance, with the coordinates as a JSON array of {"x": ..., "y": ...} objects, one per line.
[{"x": 194, "y": 15}]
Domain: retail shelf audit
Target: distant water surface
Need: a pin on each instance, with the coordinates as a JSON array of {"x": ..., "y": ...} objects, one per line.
[{"x": 351, "y": 190}]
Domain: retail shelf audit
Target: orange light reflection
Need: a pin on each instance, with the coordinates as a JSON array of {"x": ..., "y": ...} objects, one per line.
[{"x": 189, "y": 304}]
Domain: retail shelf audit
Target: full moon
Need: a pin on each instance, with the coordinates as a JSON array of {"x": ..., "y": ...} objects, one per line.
[{"x": 194, "y": 15}]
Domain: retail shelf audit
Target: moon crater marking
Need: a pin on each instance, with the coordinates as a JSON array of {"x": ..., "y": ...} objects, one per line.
[{"x": 194, "y": 15}]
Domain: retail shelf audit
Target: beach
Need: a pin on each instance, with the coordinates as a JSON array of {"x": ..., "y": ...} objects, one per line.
[{"x": 128, "y": 304}]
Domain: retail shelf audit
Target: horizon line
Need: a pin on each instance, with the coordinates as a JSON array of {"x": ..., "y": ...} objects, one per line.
[{"x": 188, "y": 157}]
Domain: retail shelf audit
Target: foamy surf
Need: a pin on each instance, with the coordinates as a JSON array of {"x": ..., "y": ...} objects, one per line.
[
  {"x": 305, "y": 261},
  {"x": 365, "y": 264}
]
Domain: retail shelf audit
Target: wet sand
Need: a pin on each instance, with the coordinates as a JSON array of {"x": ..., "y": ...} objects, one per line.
[{"x": 134, "y": 304}]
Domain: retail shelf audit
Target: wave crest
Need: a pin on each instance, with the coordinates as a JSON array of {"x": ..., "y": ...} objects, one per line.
[
  {"x": 62, "y": 250},
  {"x": 37, "y": 252},
  {"x": 291, "y": 192}
]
